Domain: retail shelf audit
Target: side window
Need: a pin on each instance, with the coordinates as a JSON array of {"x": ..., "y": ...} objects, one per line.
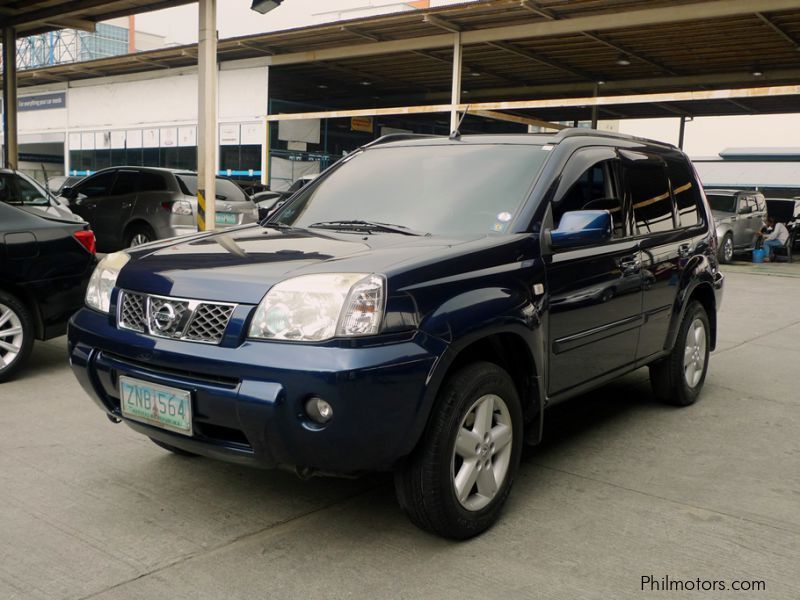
[
  {"x": 748, "y": 203},
  {"x": 30, "y": 194},
  {"x": 686, "y": 193},
  {"x": 588, "y": 185},
  {"x": 125, "y": 183},
  {"x": 761, "y": 204},
  {"x": 650, "y": 198},
  {"x": 151, "y": 182},
  {"x": 99, "y": 185},
  {"x": 6, "y": 190}
]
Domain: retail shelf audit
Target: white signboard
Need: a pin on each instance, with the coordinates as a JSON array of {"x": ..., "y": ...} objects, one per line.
[
  {"x": 229, "y": 134},
  {"x": 87, "y": 141},
  {"x": 252, "y": 134},
  {"x": 150, "y": 138},
  {"x": 303, "y": 130},
  {"x": 169, "y": 137},
  {"x": 187, "y": 136},
  {"x": 133, "y": 138},
  {"x": 117, "y": 139}
]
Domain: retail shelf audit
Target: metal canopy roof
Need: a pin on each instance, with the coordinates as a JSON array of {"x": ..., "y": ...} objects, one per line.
[
  {"x": 512, "y": 49},
  {"x": 38, "y": 16}
]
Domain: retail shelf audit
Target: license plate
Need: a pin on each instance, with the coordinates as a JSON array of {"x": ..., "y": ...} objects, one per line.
[
  {"x": 158, "y": 405},
  {"x": 224, "y": 218}
]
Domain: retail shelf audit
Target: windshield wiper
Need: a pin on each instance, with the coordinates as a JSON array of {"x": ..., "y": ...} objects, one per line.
[{"x": 366, "y": 226}]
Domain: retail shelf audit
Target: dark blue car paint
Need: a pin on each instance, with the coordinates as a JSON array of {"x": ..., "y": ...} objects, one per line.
[{"x": 444, "y": 295}]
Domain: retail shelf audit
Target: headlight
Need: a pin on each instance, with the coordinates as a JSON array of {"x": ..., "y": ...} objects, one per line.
[
  {"x": 103, "y": 280},
  {"x": 319, "y": 307}
]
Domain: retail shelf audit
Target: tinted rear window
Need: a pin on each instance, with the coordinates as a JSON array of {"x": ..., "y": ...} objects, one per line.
[
  {"x": 225, "y": 187},
  {"x": 722, "y": 203},
  {"x": 686, "y": 193},
  {"x": 652, "y": 203}
]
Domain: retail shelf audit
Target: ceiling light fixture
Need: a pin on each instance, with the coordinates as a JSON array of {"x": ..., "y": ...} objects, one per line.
[
  {"x": 757, "y": 72},
  {"x": 264, "y": 6},
  {"x": 623, "y": 60},
  {"x": 365, "y": 83}
]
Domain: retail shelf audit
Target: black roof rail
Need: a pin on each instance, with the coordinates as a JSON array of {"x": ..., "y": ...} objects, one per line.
[
  {"x": 582, "y": 131},
  {"x": 399, "y": 137}
]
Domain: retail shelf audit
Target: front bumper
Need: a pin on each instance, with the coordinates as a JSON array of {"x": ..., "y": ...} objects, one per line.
[{"x": 248, "y": 397}]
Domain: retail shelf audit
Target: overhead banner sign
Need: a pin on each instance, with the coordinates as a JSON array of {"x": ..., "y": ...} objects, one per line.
[
  {"x": 42, "y": 101},
  {"x": 361, "y": 124}
]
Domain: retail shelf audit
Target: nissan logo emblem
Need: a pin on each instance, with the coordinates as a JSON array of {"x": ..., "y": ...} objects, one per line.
[{"x": 164, "y": 317}]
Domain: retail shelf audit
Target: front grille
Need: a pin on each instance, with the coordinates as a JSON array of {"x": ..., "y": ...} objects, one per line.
[
  {"x": 209, "y": 322},
  {"x": 131, "y": 312},
  {"x": 175, "y": 318}
]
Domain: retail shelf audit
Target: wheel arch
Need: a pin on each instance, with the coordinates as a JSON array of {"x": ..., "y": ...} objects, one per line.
[
  {"x": 136, "y": 222},
  {"x": 512, "y": 348},
  {"x": 703, "y": 292},
  {"x": 29, "y": 300}
]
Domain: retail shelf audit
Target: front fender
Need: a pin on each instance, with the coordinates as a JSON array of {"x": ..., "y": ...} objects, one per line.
[{"x": 472, "y": 316}]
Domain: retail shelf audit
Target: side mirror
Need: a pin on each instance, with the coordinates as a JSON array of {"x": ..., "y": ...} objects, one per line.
[
  {"x": 67, "y": 192},
  {"x": 582, "y": 228}
]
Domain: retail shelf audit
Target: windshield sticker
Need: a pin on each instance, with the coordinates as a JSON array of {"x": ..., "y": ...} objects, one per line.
[
  {"x": 504, "y": 217},
  {"x": 499, "y": 227}
]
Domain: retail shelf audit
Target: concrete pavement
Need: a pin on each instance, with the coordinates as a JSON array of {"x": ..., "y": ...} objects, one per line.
[{"x": 621, "y": 488}]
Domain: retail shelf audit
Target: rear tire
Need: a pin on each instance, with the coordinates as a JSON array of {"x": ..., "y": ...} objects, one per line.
[
  {"x": 138, "y": 235},
  {"x": 173, "y": 449},
  {"x": 16, "y": 335},
  {"x": 457, "y": 480},
  {"x": 725, "y": 252},
  {"x": 678, "y": 378}
]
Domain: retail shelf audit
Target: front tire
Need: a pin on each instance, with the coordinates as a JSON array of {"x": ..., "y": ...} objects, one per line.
[
  {"x": 678, "y": 378},
  {"x": 16, "y": 335},
  {"x": 725, "y": 254},
  {"x": 457, "y": 480}
]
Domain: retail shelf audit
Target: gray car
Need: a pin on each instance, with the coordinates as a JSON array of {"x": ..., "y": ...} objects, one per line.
[
  {"x": 129, "y": 206},
  {"x": 739, "y": 216}
]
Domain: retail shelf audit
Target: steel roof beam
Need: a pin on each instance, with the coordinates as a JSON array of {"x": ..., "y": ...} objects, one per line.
[
  {"x": 698, "y": 11},
  {"x": 777, "y": 29}
]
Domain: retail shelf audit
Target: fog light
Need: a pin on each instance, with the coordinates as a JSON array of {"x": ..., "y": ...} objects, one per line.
[{"x": 318, "y": 410}]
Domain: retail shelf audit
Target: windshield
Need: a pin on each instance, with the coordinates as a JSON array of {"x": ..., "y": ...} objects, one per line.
[
  {"x": 722, "y": 203},
  {"x": 226, "y": 189},
  {"x": 451, "y": 189}
]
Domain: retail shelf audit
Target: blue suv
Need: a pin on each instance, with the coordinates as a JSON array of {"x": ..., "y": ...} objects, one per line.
[{"x": 415, "y": 309}]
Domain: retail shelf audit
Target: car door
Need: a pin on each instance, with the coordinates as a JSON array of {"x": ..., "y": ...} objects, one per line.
[
  {"x": 665, "y": 246},
  {"x": 115, "y": 210},
  {"x": 87, "y": 196},
  {"x": 595, "y": 300},
  {"x": 747, "y": 222}
]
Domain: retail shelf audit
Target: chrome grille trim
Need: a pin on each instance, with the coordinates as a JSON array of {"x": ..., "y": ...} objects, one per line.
[{"x": 198, "y": 321}]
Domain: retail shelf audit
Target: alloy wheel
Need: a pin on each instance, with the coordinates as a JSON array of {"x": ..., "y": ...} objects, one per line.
[
  {"x": 482, "y": 452},
  {"x": 694, "y": 355},
  {"x": 11, "y": 336},
  {"x": 139, "y": 239},
  {"x": 727, "y": 250}
]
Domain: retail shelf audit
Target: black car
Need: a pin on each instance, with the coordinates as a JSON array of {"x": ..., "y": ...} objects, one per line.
[
  {"x": 45, "y": 264},
  {"x": 415, "y": 309}
]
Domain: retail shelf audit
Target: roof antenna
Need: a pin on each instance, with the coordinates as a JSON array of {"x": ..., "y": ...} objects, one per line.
[{"x": 456, "y": 133}]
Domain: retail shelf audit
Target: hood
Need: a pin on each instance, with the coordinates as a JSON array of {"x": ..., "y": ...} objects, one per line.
[{"x": 241, "y": 264}]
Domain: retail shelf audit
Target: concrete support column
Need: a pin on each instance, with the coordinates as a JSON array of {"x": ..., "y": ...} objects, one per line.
[
  {"x": 455, "y": 97},
  {"x": 207, "y": 116},
  {"x": 10, "y": 97},
  {"x": 681, "y": 132},
  {"x": 594, "y": 107}
]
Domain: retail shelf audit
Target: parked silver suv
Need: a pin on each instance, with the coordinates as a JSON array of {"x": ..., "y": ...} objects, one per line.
[
  {"x": 739, "y": 215},
  {"x": 129, "y": 206}
]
